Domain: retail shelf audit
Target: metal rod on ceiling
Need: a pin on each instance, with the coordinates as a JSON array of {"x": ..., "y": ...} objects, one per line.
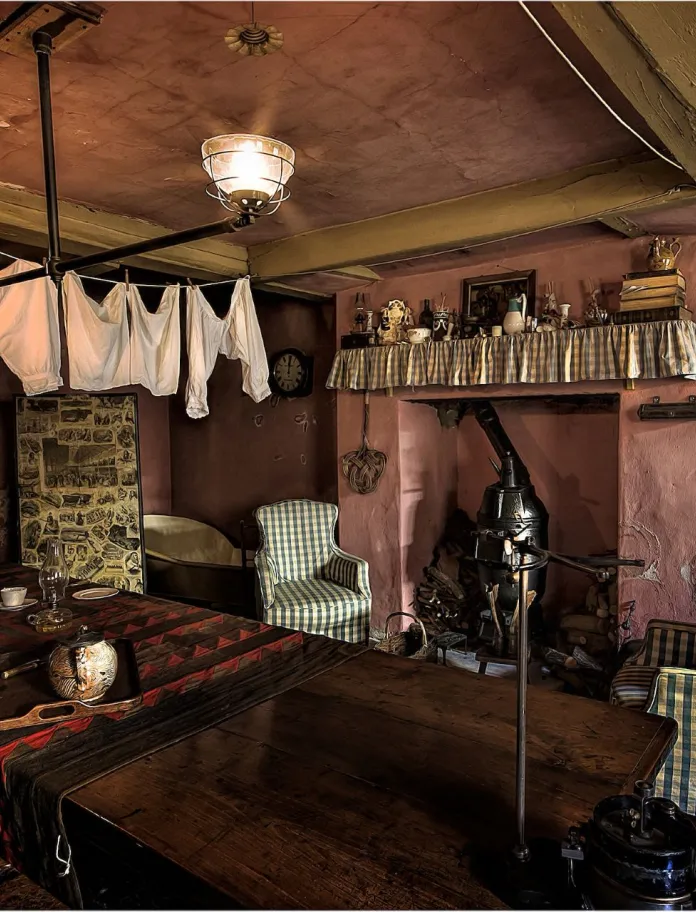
[{"x": 43, "y": 48}]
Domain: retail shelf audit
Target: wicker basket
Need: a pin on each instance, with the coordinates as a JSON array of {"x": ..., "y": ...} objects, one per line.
[{"x": 401, "y": 643}]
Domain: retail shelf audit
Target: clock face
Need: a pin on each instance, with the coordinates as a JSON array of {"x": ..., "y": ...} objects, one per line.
[{"x": 288, "y": 372}]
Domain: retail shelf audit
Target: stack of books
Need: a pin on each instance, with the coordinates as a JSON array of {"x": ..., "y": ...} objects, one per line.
[{"x": 653, "y": 296}]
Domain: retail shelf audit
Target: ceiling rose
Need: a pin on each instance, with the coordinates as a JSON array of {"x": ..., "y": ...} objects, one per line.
[{"x": 254, "y": 40}]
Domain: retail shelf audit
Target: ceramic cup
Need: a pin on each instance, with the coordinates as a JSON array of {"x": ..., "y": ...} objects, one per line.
[
  {"x": 496, "y": 330},
  {"x": 419, "y": 334},
  {"x": 13, "y": 596}
]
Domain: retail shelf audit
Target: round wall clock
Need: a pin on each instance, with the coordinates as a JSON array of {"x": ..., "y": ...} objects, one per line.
[{"x": 291, "y": 373}]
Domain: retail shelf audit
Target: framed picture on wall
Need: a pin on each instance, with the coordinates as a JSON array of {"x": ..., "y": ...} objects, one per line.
[
  {"x": 78, "y": 479},
  {"x": 485, "y": 299}
]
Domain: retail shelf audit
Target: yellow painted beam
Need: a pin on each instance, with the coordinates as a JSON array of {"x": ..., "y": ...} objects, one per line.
[
  {"x": 85, "y": 230},
  {"x": 647, "y": 51},
  {"x": 574, "y": 197}
]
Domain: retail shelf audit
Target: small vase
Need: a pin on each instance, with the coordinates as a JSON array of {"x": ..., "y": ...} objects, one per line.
[
  {"x": 515, "y": 318},
  {"x": 54, "y": 574}
]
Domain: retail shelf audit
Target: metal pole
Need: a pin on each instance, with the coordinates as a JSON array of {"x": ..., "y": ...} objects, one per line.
[
  {"x": 186, "y": 236},
  {"x": 43, "y": 47},
  {"x": 521, "y": 850},
  {"x": 129, "y": 250}
]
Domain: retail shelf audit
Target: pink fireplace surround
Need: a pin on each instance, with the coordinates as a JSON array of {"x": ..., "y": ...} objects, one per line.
[{"x": 632, "y": 483}]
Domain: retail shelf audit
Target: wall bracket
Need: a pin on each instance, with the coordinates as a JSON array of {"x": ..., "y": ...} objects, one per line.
[{"x": 666, "y": 411}]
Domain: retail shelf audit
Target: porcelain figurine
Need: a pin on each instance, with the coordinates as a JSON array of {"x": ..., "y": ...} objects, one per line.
[
  {"x": 84, "y": 667},
  {"x": 395, "y": 320},
  {"x": 595, "y": 315},
  {"x": 663, "y": 254},
  {"x": 516, "y": 317}
]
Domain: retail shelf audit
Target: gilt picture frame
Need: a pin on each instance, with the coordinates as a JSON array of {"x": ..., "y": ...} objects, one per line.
[
  {"x": 78, "y": 479},
  {"x": 485, "y": 298}
]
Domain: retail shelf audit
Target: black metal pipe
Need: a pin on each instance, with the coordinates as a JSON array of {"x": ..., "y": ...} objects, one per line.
[
  {"x": 43, "y": 47},
  {"x": 24, "y": 277},
  {"x": 186, "y": 236},
  {"x": 521, "y": 849}
]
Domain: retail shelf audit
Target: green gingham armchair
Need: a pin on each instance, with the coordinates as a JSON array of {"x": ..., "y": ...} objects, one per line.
[
  {"x": 306, "y": 581},
  {"x": 661, "y": 679}
]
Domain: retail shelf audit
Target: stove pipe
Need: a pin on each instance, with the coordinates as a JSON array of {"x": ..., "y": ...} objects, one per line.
[{"x": 510, "y": 509}]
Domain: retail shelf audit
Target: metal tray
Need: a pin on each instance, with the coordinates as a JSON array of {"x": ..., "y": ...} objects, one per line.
[{"x": 28, "y": 698}]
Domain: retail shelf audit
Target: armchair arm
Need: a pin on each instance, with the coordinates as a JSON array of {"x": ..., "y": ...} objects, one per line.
[
  {"x": 349, "y": 571},
  {"x": 268, "y": 576}
]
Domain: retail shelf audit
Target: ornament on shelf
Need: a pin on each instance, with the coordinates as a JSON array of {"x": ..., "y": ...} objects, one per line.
[
  {"x": 594, "y": 314},
  {"x": 395, "y": 319},
  {"x": 663, "y": 253}
]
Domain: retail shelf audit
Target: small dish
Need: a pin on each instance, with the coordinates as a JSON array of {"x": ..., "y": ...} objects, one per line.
[
  {"x": 100, "y": 592},
  {"x": 27, "y": 603}
]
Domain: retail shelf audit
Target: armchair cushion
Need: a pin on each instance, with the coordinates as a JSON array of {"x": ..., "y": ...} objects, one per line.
[
  {"x": 673, "y": 695},
  {"x": 631, "y": 686},
  {"x": 320, "y": 607}
]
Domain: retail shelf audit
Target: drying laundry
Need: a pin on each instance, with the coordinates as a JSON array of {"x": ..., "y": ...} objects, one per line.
[
  {"x": 29, "y": 330},
  {"x": 237, "y": 335},
  {"x": 155, "y": 344},
  {"x": 98, "y": 340}
]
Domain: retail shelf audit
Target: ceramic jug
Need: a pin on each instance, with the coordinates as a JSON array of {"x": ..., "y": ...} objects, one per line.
[
  {"x": 515, "y": 318},
  {"x": 84, "y": 667},
  {"x": 663, "y": 254}
]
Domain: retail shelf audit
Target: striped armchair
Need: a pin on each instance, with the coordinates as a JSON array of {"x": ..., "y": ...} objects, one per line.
[
  {"x": 306, "y": 581},
  {"x": 661, "y": 679},
  {"x": 665, "y": 643}
]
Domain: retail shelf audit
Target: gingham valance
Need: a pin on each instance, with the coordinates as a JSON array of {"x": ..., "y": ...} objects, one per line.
[{"x": 639, "y": 351}]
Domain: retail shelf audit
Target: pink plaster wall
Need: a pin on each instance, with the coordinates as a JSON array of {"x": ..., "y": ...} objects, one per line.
[
  {"x": 656, "y": 495},
  {"x": 428, "y": 460}
]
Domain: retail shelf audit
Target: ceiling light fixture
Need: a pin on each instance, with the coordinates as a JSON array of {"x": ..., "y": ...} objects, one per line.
[
  {"x": 249, "y": 176},
  {"x": 254, "y": 40},
  {"x": 249, "y": 173}
]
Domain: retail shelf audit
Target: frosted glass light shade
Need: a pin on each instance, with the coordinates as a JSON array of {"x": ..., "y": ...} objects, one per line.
[{"x": 249, "y": 173}]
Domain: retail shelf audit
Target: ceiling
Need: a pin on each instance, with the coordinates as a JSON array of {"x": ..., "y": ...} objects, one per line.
[{"x": 388, "y": 106}]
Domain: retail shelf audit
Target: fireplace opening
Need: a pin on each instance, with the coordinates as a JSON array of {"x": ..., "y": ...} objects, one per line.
[{"x": 569, "y": 445}]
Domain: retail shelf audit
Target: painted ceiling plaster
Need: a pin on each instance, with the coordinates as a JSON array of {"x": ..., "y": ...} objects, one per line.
[{"x": 388, "y": 105}]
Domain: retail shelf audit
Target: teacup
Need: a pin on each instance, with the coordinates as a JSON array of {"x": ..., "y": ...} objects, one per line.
[
  {"x": 13, "y": 596},
  {"x": 418, "y": 334}
]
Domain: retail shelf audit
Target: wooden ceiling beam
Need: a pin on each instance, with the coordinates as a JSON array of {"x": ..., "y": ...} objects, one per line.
[
  {"x": 86, "y": 230},
  {"x": 583, "y": 195},
  {"x": 623, "y": 226},
  {"x": 646, "y": 50}
]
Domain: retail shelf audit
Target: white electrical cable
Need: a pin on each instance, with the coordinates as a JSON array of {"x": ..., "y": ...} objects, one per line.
[{"x": 594, "y": 91}]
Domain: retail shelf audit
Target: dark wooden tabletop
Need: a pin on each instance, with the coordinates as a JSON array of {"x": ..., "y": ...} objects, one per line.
[{"x": 372, "y": 786}]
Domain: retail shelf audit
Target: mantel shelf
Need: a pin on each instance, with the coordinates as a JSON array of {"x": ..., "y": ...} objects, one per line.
[{"x": 646, "y": 351}]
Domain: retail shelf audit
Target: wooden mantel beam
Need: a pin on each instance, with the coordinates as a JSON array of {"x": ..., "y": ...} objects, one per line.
[
  {"x": 86, "y": 230},
  {"x": 647, "y": 51},
  {"x": 578, "y": 196}
]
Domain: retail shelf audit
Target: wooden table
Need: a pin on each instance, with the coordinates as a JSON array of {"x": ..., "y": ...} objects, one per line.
[{"x": 369, "y": 786}]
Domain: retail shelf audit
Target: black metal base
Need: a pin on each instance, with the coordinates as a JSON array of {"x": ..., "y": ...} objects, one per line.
[{"x": 541, "y": 882}]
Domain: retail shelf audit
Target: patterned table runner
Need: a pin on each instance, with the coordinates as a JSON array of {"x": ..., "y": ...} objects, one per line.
[{"x": 196, "y": 667}]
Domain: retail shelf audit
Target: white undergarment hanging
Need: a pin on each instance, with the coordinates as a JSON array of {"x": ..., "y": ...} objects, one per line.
[
  {"x": 237, "y": 335},
  {"x": 155, "y": 342},
  {"x": 98, "y": 338},
  {"x": 29, "y": 330}
]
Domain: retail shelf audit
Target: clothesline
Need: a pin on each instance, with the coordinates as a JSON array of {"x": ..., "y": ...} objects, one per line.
[
  {"x": 119, "y": 342},
  {"x": 140, "y": 284}
]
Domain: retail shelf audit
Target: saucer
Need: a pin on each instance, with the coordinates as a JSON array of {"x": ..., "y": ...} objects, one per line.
[{"x": 27, "y": 603}]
